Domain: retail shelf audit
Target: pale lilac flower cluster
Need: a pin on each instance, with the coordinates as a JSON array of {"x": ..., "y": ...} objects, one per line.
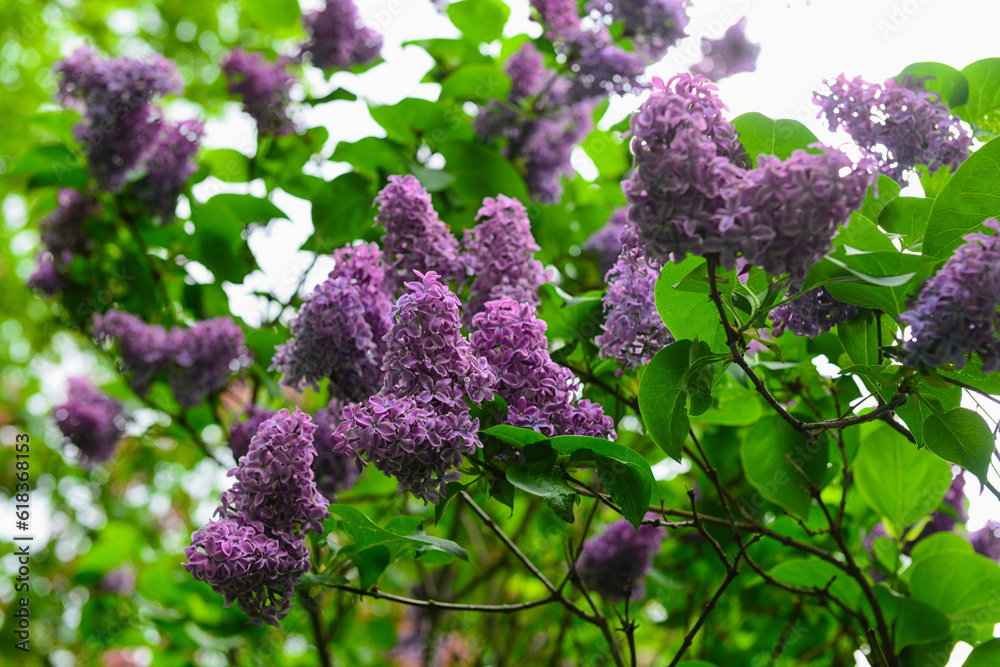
[
  {"x": 64, "y": 237},
  {"x": 169, "y": 163},
  {"x": 956, "y": 313},
  {"x": 415, "y": 238},
  {"x": 633, "y": 328},
  {"x": 119, "y": 121},
  {"x": 334, "y": 472},
  {"x": 606, "y": 241},
  {"x": 901, "y": 128},
  {"x": 91, "y": 420},
  {"x": 614, "y": 564},
  {"x": 730, "y": 54},
  {"x": 254, "y": 554},
  {"x": 500, "y": 251},
  {"x": 418, "y": 428},
  {"x": 559, "y": 17},
  {"x": 811, "y": 314},
  {"x": 652, "y": 25},
  {"x": 197, "y": 360},
  {"x": 338, "y": 37},
  {"x": 540, "y": 394},
  {"x": 242, "y": 432},
  {"x": 339, "y": 331},
  {"x": 264, "y": 88}
]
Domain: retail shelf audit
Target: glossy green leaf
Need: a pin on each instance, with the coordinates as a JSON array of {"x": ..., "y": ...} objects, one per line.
[
  {"x": 915, "y": 411},
  {"x": 549, "y": 485},
  {"x": 859, "y": 336},
  {"x": 341, "y": 212},
  {"x": 965, "y": 587},
  {"x": 940, "y": 543},
  {"x": 961, "y": 436},
  {"x": 763, "y": 454},
  {"x": 689, "y": 313},
  {"x": 761, "y": 135}
]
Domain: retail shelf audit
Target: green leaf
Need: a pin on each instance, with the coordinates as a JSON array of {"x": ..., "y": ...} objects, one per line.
[
  {"x": 762, "y": 136},
  {"x": 971, "y": 196},
  {"x": 219, "y": 225},
  {"x": 965, "y": 587},
  {"x": 275, "y": 12},
  {"x": 52, "y": 165},
  {"x": 480, "y": 172},
  {"x": 898, "y": 481},
  {"x": 961, "y": 436},
  {"x": 371, "y": 156},
  {"x": 915, "y": 411},
  {"x": 859, "y": 336},
  {"x": 515, "y": 435},
  {"x": 940, "y": 543},
  {"x": 227, "y": 165},
  {"x": 986, "y": 654},
  {"x": 476, "y": 82},
  {"x": 912, "y": 621},
  {"x": 972, "y": 374},
  {"x": 951, "y": 85},
  {"x": 341, "y": 212},
  {"x": 763, "y": 453},
  {"x": 411, "y": 118},
  {"x": 688, "y": 312},
  {"x": 864, "y": 235},
  {"x": 984, "y": 94},
  {"x": 479, "y": 20},
  {"x": 888, "y": 191},
  {"x": 548, "y": 485},
  {"x": 609, "y": 153},
  {"x": 114, "y": 544},
  {"x": 906, "y": 217},
  {"x": 812, "y": 573}
]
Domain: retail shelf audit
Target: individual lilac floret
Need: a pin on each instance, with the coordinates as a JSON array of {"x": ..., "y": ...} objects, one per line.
[
  {"x": 615, "y": 562},
  {"x": 731, "y": 54},
  {"x": 901, "y": 128},
  {"x": 540, "y": 394},
  {"x": 119, "y": 123},
  {"x": 986, "y": 540},
  {"x": 956, "y": 311},
  {"x": 64, "y": 237},
  {"x": 784, "y": 215},
  {"x": 559, "y": 16},
  {"x": 91, "y": 420},
  {"x": 415, "y": 238},
  {"x": 169, "y": 163},
  {"x": 143, "y": 348},
  {"x": 685, "y": 163},
  {"x": 653, "y": 25},
  {"x": 500, "y": 251},
  {"x": 264, "y": 88},
  {"x": 526, "y": 68},
  {"x": 338, "y": 38},
  {"x": 242, "y": 432},
  {"x": 203, "y": 357},
  {"x": 633, "y": 328},
  {"x": 274, "y": 479},
  {"x": 333, "y": 472},
  {"x": 606, "y": 241},
  {"x": 811, "y": 314},
  {"x": 246, "y": 565},
  {"x": 339, "y": 331}
]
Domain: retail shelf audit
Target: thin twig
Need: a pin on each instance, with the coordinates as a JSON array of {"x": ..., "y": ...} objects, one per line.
[{"x": 450, "y": 606}]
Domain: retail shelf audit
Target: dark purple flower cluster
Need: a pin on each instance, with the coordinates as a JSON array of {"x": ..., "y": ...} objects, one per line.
[
  {"x": 528, "y": 76},
  {"x": 500, "y": 251},
  {"x": 986, "y": 540},
  {"x": 264, "y": 88},
  {"x": 652, "y": 25},
  {"x": 559, "y": 16},
  {"x": 91, "y": 420},
  {"x": 730, "y": 54},
  {"x": 338, "y": 38},
  {"x": 333, "y": 472},
  {"x": 606, "y": 241},
  {"x": 242, "y": 432},
  {"x": 417, "y": 428},
  {"x": 546, "y": 145},
  {"x": 415, "y": 238},
  {"x": 811, "y": 314},
  {"x": 601, "y": 68},
  {"x": 169, "y": 163},
  {"x": 119, "y": 121},
  {"x": 64, "y": 237},
  {"x": 540, "y": 394},
  {"x": 197, "y": 361},
  {"x": 254, "y": 554},
  {"x": 633, "y": 328},
  {"x": 901, "y": 128},
  {"x": 339, "y": 331},
  {"x": 615, "y": 562},
  {"x": 956, "y": 311}
]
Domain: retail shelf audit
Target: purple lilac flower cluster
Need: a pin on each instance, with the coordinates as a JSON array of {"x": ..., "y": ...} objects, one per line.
[
  {"x": 615, "y": 562},
  {"x": 633, "y": 328},
  {"x": 606, "y": 241},
  {"x": 652, "y": 25},
  {"x": 956, "y": 312},
  {"x": 242, "y": 432},
  {"x": 254, "y": 554},
  {"x": 91, "y": 420},
  {"x": 338, "y": 38},
  {"x": 730, "y": 54},
  {"x": 986, "y": 540},
  {"x": 169, "y": 163},
  {"x": 64, "y": 237},
  {"x": 264, "y": 88},
  {"x": 500, "y": 251},
  {"x": 418, "y": 428},
  {"x": 811, "y": 314},
  {"x": 540, "y": 394},
  {"x": 339, "y": 331},
  {"x": 601, "y": 68},
  {"x": 559, "y": 17},
  {"x": 197, "y": 360},
  {"x": 334, "y": 472},
  {"x": 901, "y": 128},
  {"x": 415, "y": 238}
]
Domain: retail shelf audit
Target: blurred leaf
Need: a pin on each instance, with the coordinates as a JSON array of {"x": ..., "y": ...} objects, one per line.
[
  {"x": 810, "y": 573},
  {"x": 341, "y": 212},
  {"x": 762, "y": 136},
  {"x": 951, "y": 86},
  {"x": 476, "y": 82},
  {"x": 479, "y": 20},
  {"x": 913, "y": 621},
  {"x": 481, "y": 172},
  {"x": 965, "y": 587},
  {"x": 986, "y": 654},
  {"x": 51, "y": 165},
  {"x": 763, "y": 453},
  {"x": 227, "y": 165}
]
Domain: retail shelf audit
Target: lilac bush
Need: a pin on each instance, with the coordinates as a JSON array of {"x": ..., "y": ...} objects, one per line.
[
  {"x": 91, "y": 420},
  {"x": 143, "y": 349},
  {"x": 559, "y": 17}
]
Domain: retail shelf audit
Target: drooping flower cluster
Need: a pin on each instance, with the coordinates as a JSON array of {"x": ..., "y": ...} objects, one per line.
[
  {"x": 901, "y": 128},
  {"x": 811, "y": 314},
  {"x": 264, "y": 88},
  {"x": 334, "y": 472},
  {"x": 254, "y": 554},
  {"x": 526, "y": 68},
  {"x": 337, "y": 36},
  {"x": 91, "y": 420},
  {"x": 615, "y": 562},
  {"x": 559, "y": 17},
  {"x": 197, "y": 360},
  {"x": 606, "y": 241},
  {"x": 169, "y": 163},
  {"x": 540, "y": 394},
  {"x": 652, "y": 25},
  {"x": 730, "y": 54},
  {"x": 242, "y": 432},
  {"x": 633, "y": 328},
  {"x": 415, "y": 238},
  {"x": 500, "y": 251},
  {"x": 546, "y": 146},
  {"x": 418, "y": 428},
  {"x": 339, "y": 331},
  {"x": 601, "y": 68},
  {"x": 64, "y": 237},
  {"x": 956, "y": 313}
]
